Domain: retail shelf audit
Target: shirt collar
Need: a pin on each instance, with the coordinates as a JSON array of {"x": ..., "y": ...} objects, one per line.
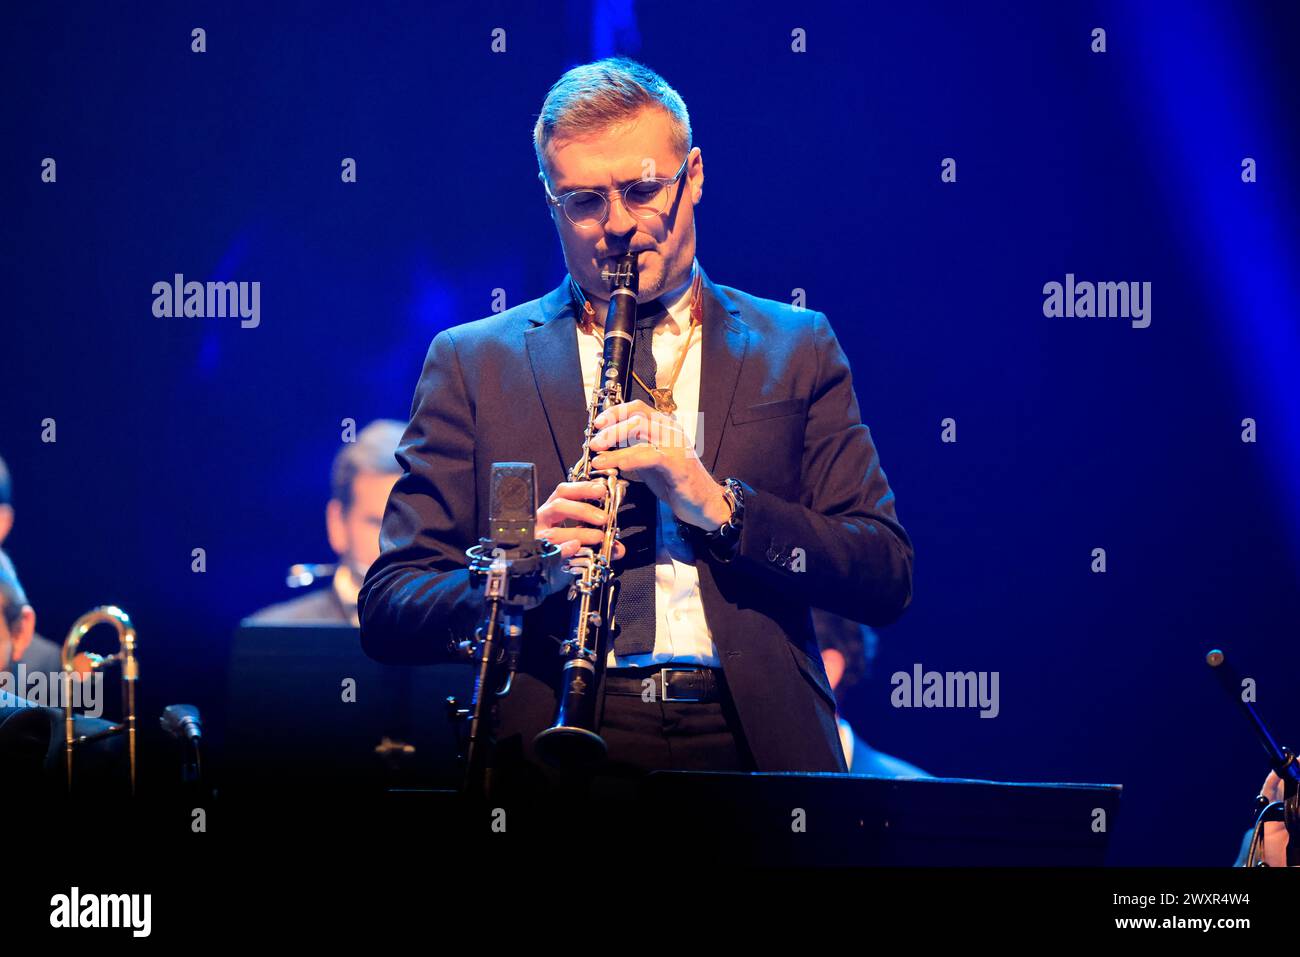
[{"x": 676, "y": 301}]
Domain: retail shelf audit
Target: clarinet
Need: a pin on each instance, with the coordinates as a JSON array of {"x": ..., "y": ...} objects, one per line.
[{"x": 572, "y": 741}]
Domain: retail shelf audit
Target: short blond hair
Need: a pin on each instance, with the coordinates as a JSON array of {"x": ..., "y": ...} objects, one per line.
[{"x": 593, "y": 97}]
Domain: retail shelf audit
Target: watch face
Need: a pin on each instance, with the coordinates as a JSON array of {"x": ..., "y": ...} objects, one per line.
[{"x": 737, "y": 497}]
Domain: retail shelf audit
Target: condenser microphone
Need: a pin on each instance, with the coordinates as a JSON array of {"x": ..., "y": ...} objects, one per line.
[{"x": 512, "y": 510}]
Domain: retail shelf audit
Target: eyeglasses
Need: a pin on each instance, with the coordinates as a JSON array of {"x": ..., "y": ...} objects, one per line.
[{"x": 645, "y": 198}]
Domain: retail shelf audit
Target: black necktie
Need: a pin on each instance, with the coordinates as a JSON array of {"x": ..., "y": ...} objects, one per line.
[{"x": 638, "y": 517}]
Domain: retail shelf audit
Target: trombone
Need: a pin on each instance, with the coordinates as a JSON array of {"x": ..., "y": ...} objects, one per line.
[{"x": 112, "y": 615}]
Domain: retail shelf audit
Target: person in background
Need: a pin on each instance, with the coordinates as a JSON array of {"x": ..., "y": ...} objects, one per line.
[
  {"x": 1275, "y": 838},
  {"x": 32, "y": 729},
  {"x": 18, "y": 639},
  {"x": 848, "y": 650},
  {"x": 363, "y": 474}
]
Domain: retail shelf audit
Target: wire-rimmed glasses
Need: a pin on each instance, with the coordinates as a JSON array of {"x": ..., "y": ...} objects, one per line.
[{"x": 644, "y": 198}]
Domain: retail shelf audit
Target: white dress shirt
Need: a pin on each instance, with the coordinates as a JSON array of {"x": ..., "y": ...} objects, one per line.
[
  {"x": 846, "y": 740},
  {"x": 681, "y": 633}
]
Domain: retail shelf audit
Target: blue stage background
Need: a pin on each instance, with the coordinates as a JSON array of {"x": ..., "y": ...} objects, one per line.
[{"x": 822, "y": 174}]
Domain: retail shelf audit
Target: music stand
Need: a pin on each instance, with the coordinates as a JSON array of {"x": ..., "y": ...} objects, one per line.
[{"x": 853, "y": 820}]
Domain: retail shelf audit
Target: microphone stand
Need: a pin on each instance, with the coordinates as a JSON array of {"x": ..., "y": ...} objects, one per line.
[
  {"x": 512, "y": 580},
  {"x": 1282, "y": 760}
]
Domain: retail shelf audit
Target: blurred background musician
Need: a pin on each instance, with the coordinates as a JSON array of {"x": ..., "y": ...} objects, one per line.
[
  {"x": 363, "y": 474},
  {"x": 848, "y": 652}
]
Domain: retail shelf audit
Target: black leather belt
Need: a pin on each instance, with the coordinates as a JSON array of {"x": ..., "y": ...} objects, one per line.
[{"x": 670, "y": 683}]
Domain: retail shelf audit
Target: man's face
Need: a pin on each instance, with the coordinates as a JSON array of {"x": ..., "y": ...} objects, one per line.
[
  {"x": 835, "y": 666},
  {"x": 354, "y": 531},
  {"x": 612, "y": 159}
]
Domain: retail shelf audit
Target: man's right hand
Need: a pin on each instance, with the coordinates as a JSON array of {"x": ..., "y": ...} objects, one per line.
[{"x": 569, "y": 520}]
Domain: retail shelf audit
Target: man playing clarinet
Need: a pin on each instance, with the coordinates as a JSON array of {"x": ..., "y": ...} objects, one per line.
[{"x": 755, "y": 490}]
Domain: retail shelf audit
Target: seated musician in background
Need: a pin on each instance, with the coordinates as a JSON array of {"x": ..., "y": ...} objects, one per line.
[
  {"x": 31, "y": 728},
  {"x": 848, "y": 651},
  {"x": 31, "y": 717},
  {"x": 19, "y": 642},
  {"x": 729, "y": 534},
  {"x": 361, "y": 478}
]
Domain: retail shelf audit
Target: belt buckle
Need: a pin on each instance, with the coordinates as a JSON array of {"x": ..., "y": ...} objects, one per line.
[{"x": 663, "y": 684}]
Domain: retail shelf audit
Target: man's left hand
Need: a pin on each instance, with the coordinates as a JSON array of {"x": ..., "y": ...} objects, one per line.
[{"x": 646, "y": 445}]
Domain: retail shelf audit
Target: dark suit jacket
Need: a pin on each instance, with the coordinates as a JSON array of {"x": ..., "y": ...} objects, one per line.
[
  {"x": 319, "y": 606},
  {"x": 778, "y": 413}
]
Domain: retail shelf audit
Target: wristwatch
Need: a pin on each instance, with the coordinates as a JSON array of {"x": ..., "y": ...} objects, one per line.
[{"x": 724, "y": 540}]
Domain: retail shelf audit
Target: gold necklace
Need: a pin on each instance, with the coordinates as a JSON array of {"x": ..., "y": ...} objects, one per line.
[{"x": 663, "y": 398}]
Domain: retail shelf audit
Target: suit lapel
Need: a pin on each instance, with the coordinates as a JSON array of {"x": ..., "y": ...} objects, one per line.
[
  {"x": 557, "y": 371},
  {"x": 552, "y": 345},
  {"x": 725, "y": 342}
]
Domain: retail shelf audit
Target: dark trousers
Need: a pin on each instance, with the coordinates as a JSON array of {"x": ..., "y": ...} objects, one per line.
[
  {"x": 641, "y": 736},
  {"x": 656, "y": 735},
  {"x": 659, "y": 735}
]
